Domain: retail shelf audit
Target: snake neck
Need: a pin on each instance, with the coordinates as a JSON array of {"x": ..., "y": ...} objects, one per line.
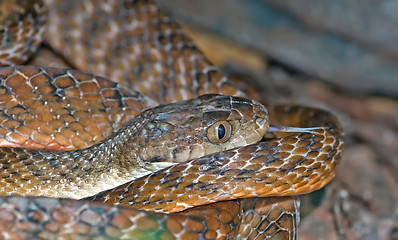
[
  {"x": 78, "y": 173},
  {"x": 119, "y": 150},
  {"x": 110, "y": 163}
]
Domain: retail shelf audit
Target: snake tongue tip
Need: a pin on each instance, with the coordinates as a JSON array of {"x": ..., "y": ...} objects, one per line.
[{"x": 280, "y": 128}]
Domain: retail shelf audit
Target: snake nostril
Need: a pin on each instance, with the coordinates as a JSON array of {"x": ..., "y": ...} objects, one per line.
[
  {"x": 261, "y": 122},
  {"x": 260, "y": 114}
]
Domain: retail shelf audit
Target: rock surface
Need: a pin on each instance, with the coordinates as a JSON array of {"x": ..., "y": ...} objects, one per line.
[{"x": 350, "y": 44}]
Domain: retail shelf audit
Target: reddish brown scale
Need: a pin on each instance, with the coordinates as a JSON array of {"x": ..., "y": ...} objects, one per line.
[
  {"x": 269, "y": 218},
  {"x": 56, "y": 218},
  {"x": 178, "y": 80},
  {"x": 158, "y": 51},
  {"x": 41, "y": 123},
  {"x": 289, "y": 175},
  {"x": 280, "y": 185},
  {"x": 22, "y": 27}
]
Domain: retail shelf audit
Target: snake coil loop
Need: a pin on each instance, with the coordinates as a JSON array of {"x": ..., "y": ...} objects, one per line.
[{"x": 238, "y": 186}]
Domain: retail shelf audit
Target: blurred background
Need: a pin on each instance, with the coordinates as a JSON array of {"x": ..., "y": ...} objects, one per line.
[{"x": 339, "y": 55}]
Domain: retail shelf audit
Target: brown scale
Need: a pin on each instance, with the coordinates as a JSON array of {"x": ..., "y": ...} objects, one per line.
[
  {"x": 164, "y": 63},
  {"x": 50, "y": 218},
  {"x": 268, "y": 171},
  {"x": 155, "y": 138},
  {"x": 161, "y": 61},
  {"x": 59, "y": 109},
  {"x": 269, "y": 218},
  {"x": 259, "y": 156},
  {"x": 21, "y": 28}
]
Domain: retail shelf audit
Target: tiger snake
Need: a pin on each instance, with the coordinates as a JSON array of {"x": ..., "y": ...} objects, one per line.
[{"x": 202, "y": 168}]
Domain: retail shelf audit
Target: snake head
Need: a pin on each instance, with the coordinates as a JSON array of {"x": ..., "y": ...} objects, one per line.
[{"x": 190, "y": 129}]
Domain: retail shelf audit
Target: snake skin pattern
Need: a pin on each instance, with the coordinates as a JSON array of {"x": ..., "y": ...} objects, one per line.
[
  {"x": 84, "y": 110},
  {"x": 140, "y": 46},
  {"x": 135, "y": 44},
  {"x": 153, "y": 140},
  {"x": 50, "y": 218},
  {"x": 287, "y": 166},
  {"x": 21, "y": 30}
]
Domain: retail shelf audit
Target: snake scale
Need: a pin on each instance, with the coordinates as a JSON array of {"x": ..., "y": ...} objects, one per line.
[{"x": 194, "y": 167}]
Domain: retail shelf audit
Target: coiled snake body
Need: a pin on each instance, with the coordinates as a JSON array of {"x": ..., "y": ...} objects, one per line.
[{"x": 200, "y": 161}]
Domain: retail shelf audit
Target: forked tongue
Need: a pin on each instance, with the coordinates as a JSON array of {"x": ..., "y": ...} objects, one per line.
[{"x": 280, "y": 128}]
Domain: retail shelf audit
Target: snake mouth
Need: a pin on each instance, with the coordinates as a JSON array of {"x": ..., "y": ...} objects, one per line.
[
  {"x": 261, "y": 122},
  {"x": 261, "y": 118}
]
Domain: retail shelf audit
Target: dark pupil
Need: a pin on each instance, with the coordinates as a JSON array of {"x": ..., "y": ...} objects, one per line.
[{"x": 221, "y": 131}]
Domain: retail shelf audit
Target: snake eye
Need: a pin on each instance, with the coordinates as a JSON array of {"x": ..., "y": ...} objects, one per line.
[{"x": 219, "y": 132}]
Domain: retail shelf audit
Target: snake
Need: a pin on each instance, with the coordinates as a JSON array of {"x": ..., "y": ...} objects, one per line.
[{"x": 87, "y": 157}]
